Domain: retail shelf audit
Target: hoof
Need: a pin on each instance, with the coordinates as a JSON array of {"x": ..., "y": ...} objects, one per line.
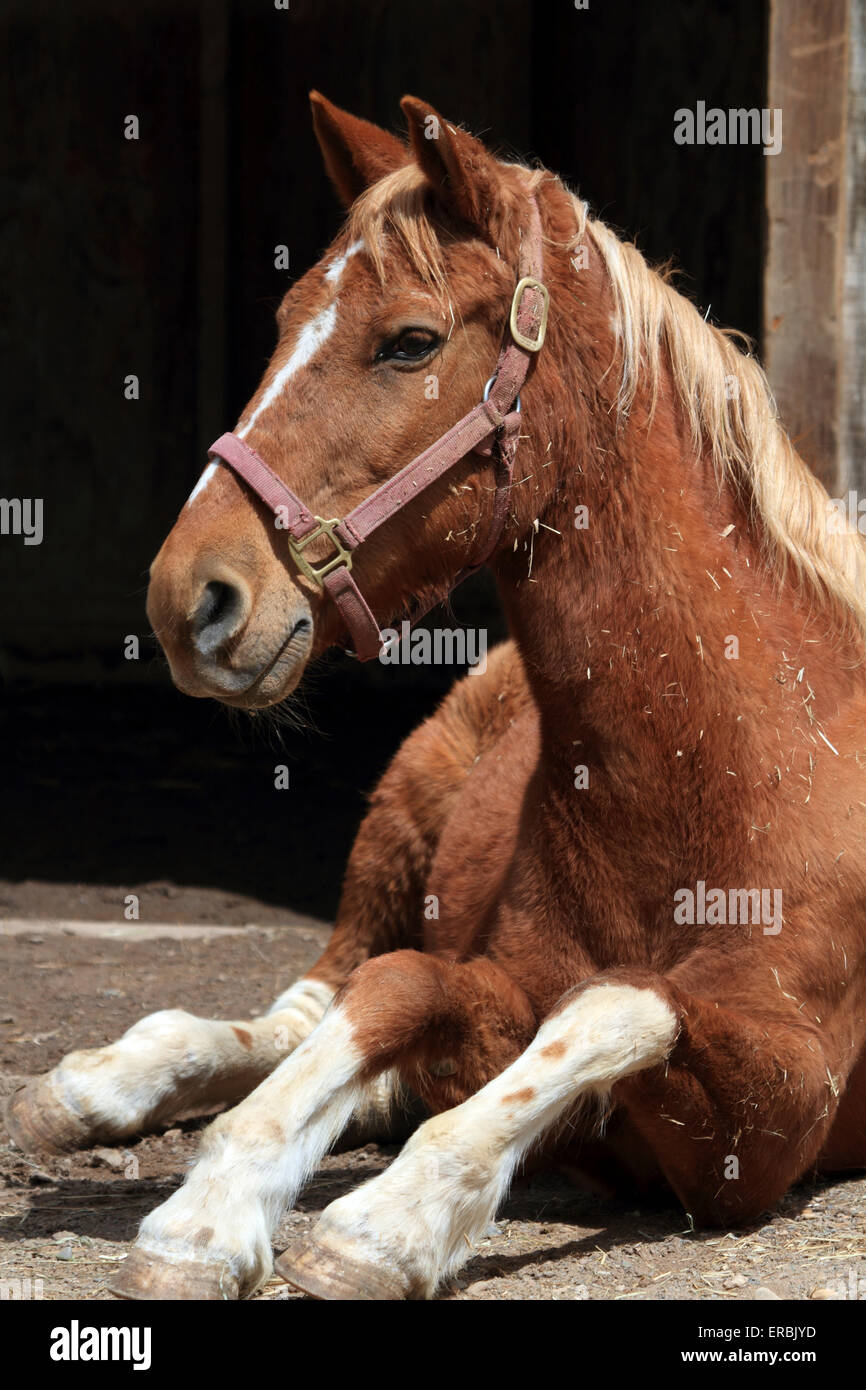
[
  {"x": 150, "y": 1278},
  {"x": 328, "y": 1272},
  {"x": 38, "y": 1123}
]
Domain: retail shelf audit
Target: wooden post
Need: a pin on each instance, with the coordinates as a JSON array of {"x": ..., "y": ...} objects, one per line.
[
  {"x": 815, "y": 276},
  {"x": 853, "y": 395}
]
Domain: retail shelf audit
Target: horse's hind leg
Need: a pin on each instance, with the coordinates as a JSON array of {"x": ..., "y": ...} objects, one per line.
[
  {"x": 171, "y": 1060},
  {"x": 445, "y": 1028},
  {"x": 166, "y": 1063}
]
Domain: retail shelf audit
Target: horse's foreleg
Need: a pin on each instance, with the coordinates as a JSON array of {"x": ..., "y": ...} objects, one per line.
[
  {"x": 405, "y": 1230},
  {"x": 759, "y": 1090},
  {"x": 436, "y": 1024}
]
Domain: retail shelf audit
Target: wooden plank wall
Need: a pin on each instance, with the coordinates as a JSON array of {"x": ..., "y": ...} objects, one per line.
[
  {"x": 853, "y": 338},
  {"x": 815, "y": 274}
]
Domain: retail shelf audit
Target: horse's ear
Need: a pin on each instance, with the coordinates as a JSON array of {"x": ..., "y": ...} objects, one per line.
[
  {"x": 356, "y": 153},
  {"x": 465, "y": 176}
]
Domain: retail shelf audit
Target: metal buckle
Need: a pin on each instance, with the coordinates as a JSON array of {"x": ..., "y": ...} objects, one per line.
[
  {"x": 326, "y": 527},
  {"x": 529, "y": 344},
  {"x": 489, "y": 387}
]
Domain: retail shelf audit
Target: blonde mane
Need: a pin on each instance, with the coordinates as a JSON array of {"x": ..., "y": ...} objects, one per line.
[
  {"x": 724, "y": 395},
  {"x": 730, "y": 411}
]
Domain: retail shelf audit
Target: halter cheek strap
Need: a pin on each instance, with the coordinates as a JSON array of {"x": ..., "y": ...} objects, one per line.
[{"x": 491, "y": 428}]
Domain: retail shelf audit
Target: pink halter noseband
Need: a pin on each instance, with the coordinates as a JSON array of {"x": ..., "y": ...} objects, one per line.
[{"x": 490, "y": 428}]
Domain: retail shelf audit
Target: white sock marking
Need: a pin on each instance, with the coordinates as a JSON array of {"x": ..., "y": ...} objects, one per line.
[
  {"x": 307, "y": 998},
  {"x": 172, "y": 1054},
  {"x": 445, "y": 1186},
  {"x": 254, "y": 1159}
]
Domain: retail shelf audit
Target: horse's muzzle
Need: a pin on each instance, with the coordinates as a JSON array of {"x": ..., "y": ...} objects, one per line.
[{"x": 226, "y": 641}]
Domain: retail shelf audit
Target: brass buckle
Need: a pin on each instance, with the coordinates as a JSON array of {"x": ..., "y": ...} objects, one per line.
[
  {"x": 529, "y": 344},
  {"x": 326, "y": 527}
]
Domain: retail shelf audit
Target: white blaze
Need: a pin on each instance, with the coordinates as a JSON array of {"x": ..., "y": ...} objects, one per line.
[
  {"x": 310, "y": 339},
  {"x": 334, "y": 272},
  {"x": 202, "y": 482}
]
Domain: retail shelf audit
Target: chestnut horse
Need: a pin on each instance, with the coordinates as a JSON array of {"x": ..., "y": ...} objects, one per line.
[{"x": 608, "y": 902}]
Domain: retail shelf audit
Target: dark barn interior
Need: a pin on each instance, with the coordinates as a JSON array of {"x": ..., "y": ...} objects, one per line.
[{"x": 155, "y": 257}]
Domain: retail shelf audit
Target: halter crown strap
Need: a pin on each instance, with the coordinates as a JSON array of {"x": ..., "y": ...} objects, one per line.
[{"x": 491, "y": 428}]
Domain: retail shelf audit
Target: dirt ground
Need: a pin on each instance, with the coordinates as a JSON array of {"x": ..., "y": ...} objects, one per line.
[{"x": 67, "y": 1222}]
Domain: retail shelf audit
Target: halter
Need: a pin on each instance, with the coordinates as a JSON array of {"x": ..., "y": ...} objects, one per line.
[{"x": 490, "y": 428}]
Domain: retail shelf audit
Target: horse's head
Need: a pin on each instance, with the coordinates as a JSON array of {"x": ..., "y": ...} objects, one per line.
[{"x": 383, "y": 346}]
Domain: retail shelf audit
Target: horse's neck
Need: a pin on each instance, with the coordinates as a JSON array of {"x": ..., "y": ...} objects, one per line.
[
  {"x": 630, "y": 612},
  {"x": 625, "y": 623}
]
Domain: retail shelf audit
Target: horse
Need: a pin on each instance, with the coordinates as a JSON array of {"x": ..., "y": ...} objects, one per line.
[{"x": 606, "y": 908}]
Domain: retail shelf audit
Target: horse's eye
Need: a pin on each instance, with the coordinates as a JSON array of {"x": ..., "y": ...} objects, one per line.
[{"x": 409, "y": 346}]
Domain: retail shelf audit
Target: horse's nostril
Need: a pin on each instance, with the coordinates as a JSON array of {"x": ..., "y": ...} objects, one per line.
[
  {"x": 216, "y": 602},
  {"x": 218, "y": 616}
]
